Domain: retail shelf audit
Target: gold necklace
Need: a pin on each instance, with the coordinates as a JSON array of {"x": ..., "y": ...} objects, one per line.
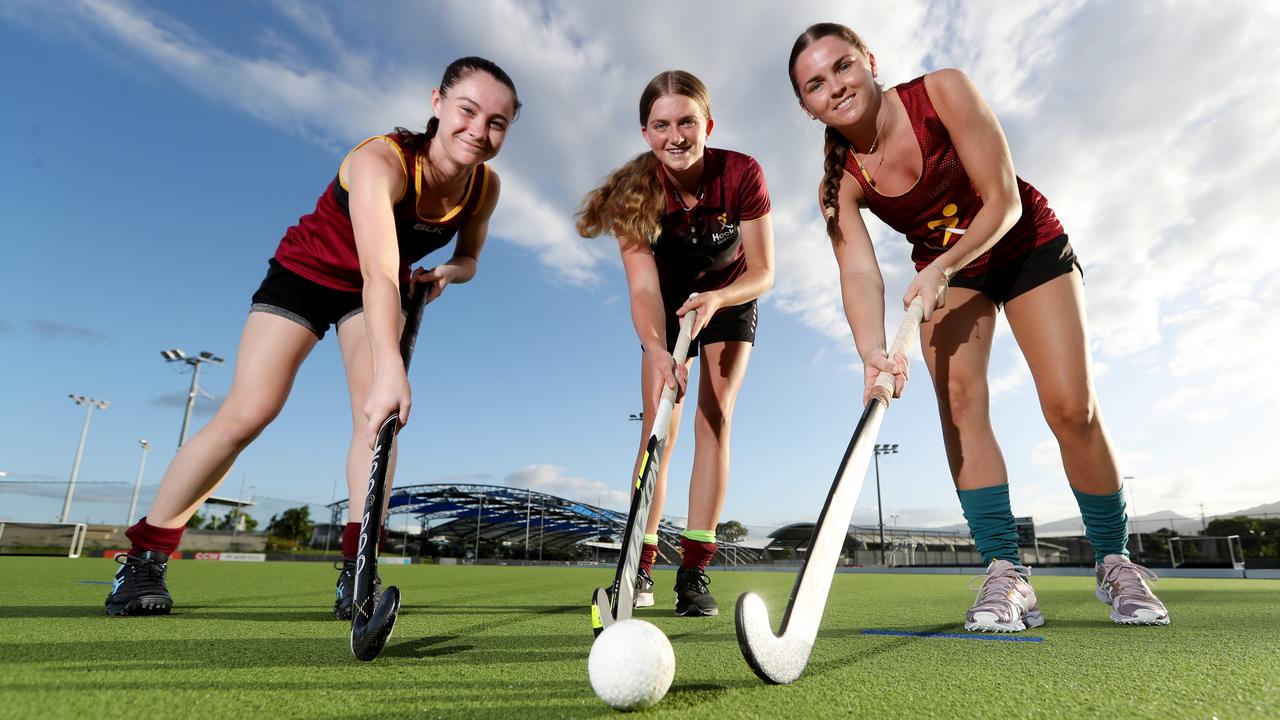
[{"x": 866, "y": 175}]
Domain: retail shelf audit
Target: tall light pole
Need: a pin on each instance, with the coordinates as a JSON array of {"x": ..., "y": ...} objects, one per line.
[
  {"x": 176, "y": 355},
  {"x": 137, "y": 484},
  {"x": 479, "y": 515},
  {"x": 89, "y": 404},
  {"x": 882, "y": 450},
  {"x": 528, "y": 515},
  {"x": 1133, "y": 514}
]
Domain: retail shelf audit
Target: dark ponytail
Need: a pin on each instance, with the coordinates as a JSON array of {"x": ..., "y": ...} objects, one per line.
[{"x": 833, "y": 152}]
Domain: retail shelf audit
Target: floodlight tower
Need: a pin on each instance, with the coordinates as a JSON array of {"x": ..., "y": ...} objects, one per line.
[
  {"x": 1133, "y": 518},
  {"x": 89, "y": 404},
  {"x": 176, "y": 355},
  {"x": 137, "y": 484},
  {"x": 882, "y": 450}
]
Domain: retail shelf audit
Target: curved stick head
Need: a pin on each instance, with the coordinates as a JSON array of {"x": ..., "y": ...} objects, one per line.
[
  {"x": 602, "y": 613},
  {"x": 370, "y": 635},
  {"x": 776, "y": 660}
]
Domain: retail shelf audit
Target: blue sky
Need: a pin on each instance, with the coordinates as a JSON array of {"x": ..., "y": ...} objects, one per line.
[{"x": 157, "y": 151}]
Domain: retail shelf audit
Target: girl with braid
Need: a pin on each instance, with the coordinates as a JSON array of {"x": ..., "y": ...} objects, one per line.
[
  {"x": 929, "y": 159},
  {"x": 396, "y": 198},
  {"x": 688, "y": 218}
]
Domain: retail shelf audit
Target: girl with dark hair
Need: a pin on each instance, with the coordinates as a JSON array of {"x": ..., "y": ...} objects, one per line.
[
  {"x": 396, "y": 198},
  {"x": 929, "y": 158},
  {"x": 688, "y": 218}
]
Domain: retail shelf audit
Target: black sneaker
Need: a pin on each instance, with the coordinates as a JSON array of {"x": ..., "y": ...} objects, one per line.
[
  {"x": 139, "y": 588},
  {"x": 692, "y": 597},
  {"x": 644, "y": 589},
  {"x": 346, "y": 588}
]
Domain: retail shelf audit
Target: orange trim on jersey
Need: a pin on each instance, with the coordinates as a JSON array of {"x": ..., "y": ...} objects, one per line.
[
  {"x": 471, "y": 184},
  {"x": 404, "y": 165}
]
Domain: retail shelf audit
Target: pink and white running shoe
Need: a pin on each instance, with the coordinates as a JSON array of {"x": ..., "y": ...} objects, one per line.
[
  {"x": 1122, "y": 585},
  {"x": 1006, "y": 602}
]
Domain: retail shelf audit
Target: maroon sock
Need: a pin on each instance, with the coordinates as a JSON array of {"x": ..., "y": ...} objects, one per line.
[
  {"x": 648, "y": 553},
  {"x": 351, "y": 540},
  {"x": 694, "y": 554},
  {"x": 147, "y": 537}
]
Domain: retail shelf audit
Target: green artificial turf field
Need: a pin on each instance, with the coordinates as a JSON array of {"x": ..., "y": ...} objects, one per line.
[{"x": 258, "y": 640}]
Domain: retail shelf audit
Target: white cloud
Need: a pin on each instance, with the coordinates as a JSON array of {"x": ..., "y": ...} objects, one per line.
[
  {"x": 551, "y": 479},
  {"x": 1149, "y": 126},
  {"x": 1014, "y": 377}
]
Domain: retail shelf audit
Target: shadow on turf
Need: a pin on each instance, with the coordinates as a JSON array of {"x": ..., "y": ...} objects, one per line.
[
  {"x": 264, "y": 613},
  {"x": 422, "y": 647}
]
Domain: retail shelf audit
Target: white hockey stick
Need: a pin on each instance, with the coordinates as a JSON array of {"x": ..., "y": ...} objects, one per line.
[
  {"x": 782, "y": 657},
  {"x": 608, "y": 606}
]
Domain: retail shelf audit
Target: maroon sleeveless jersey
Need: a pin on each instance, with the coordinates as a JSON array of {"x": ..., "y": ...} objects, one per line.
[
  {"x": 700, "y": 248},
  {"x": 322, "y": 246},
  {"x": 937, "y": 210}
]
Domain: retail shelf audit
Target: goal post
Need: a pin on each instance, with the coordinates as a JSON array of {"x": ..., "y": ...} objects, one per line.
[
  {"x": 56, "y": 539},
  {"x": 1207, "y": 551}
]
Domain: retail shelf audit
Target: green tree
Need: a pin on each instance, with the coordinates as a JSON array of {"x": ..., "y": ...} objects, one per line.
[
  {"x": 1240, "y": 525},
  {"x": 292, "y": 524},
  {"x": 731, "y": 531},
  {"x": 195, "y": 521},
  {"x": 228, "y": 521}
]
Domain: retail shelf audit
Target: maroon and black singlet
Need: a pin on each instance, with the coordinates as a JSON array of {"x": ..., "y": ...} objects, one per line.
[
  {"x": 943, "y": 202},
  {"x": 322, "y": 246}
]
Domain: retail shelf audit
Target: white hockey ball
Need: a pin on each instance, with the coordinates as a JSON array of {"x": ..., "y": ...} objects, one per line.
[{"x": 631, "y": 665}]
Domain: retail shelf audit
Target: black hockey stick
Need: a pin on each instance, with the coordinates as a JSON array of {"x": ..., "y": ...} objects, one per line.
[
  {"x": 373, "y": 617},
  {"x": 780, "y": 658},
  {"x": 610, "y": 606}
]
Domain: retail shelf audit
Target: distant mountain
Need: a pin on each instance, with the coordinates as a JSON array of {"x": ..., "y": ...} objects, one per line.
[
  {"x": 1147, "y": 522},
  {"x": 1269, "y": 508}
]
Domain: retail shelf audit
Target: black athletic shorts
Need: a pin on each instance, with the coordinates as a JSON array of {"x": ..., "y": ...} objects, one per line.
[
  {"x": 310, "y": 304},
  {"x": 1051, "y": 260},
  {"x": 737, "y": 323}
]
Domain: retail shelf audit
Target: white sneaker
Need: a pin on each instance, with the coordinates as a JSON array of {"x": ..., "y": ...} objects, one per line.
[
  {"x": 1006, "y": 602},
  {"x": 1122, "y": 585}
]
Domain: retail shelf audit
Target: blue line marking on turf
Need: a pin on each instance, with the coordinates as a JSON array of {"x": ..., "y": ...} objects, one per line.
[
  {"x": 94, "y": 582},
  {"x": 954, "y": 636}
]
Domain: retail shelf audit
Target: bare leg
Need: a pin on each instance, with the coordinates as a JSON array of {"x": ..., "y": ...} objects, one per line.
[
  {"x": 647, "y": 379},
  {"x": 271, "y": 350},
  {"x": 957, "y": 350},
  {"x": 1049, "y": 324},
  {"x": 719, "y": 379},
  {"x": 357, "y": 359}
]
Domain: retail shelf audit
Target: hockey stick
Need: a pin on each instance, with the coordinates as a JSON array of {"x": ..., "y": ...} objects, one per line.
[
  {"x": 780, "y": 658},
  {"x": 608, "y": 608},
  {"x": 374, "y": 617}
]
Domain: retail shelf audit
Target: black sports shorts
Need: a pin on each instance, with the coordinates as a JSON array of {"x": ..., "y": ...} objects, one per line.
[
  {"x": 310, "y": 304},
  {"x": 1051, "y": 260},
  {"x": 736, "y": 323}
]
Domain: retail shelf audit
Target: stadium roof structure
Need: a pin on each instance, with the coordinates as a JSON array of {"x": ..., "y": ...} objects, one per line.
[
  {"x": 797, "y": 535},
  {"x": 508, "y": 514}
]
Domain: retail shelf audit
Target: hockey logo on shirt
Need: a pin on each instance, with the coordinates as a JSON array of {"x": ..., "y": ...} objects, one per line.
[
  {"x": 947, "y": 224},
  {"x": 727, "y": 232}
]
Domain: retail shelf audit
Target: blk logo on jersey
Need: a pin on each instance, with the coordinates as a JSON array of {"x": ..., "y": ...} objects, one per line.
[{"x": 422, "y": 227}]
